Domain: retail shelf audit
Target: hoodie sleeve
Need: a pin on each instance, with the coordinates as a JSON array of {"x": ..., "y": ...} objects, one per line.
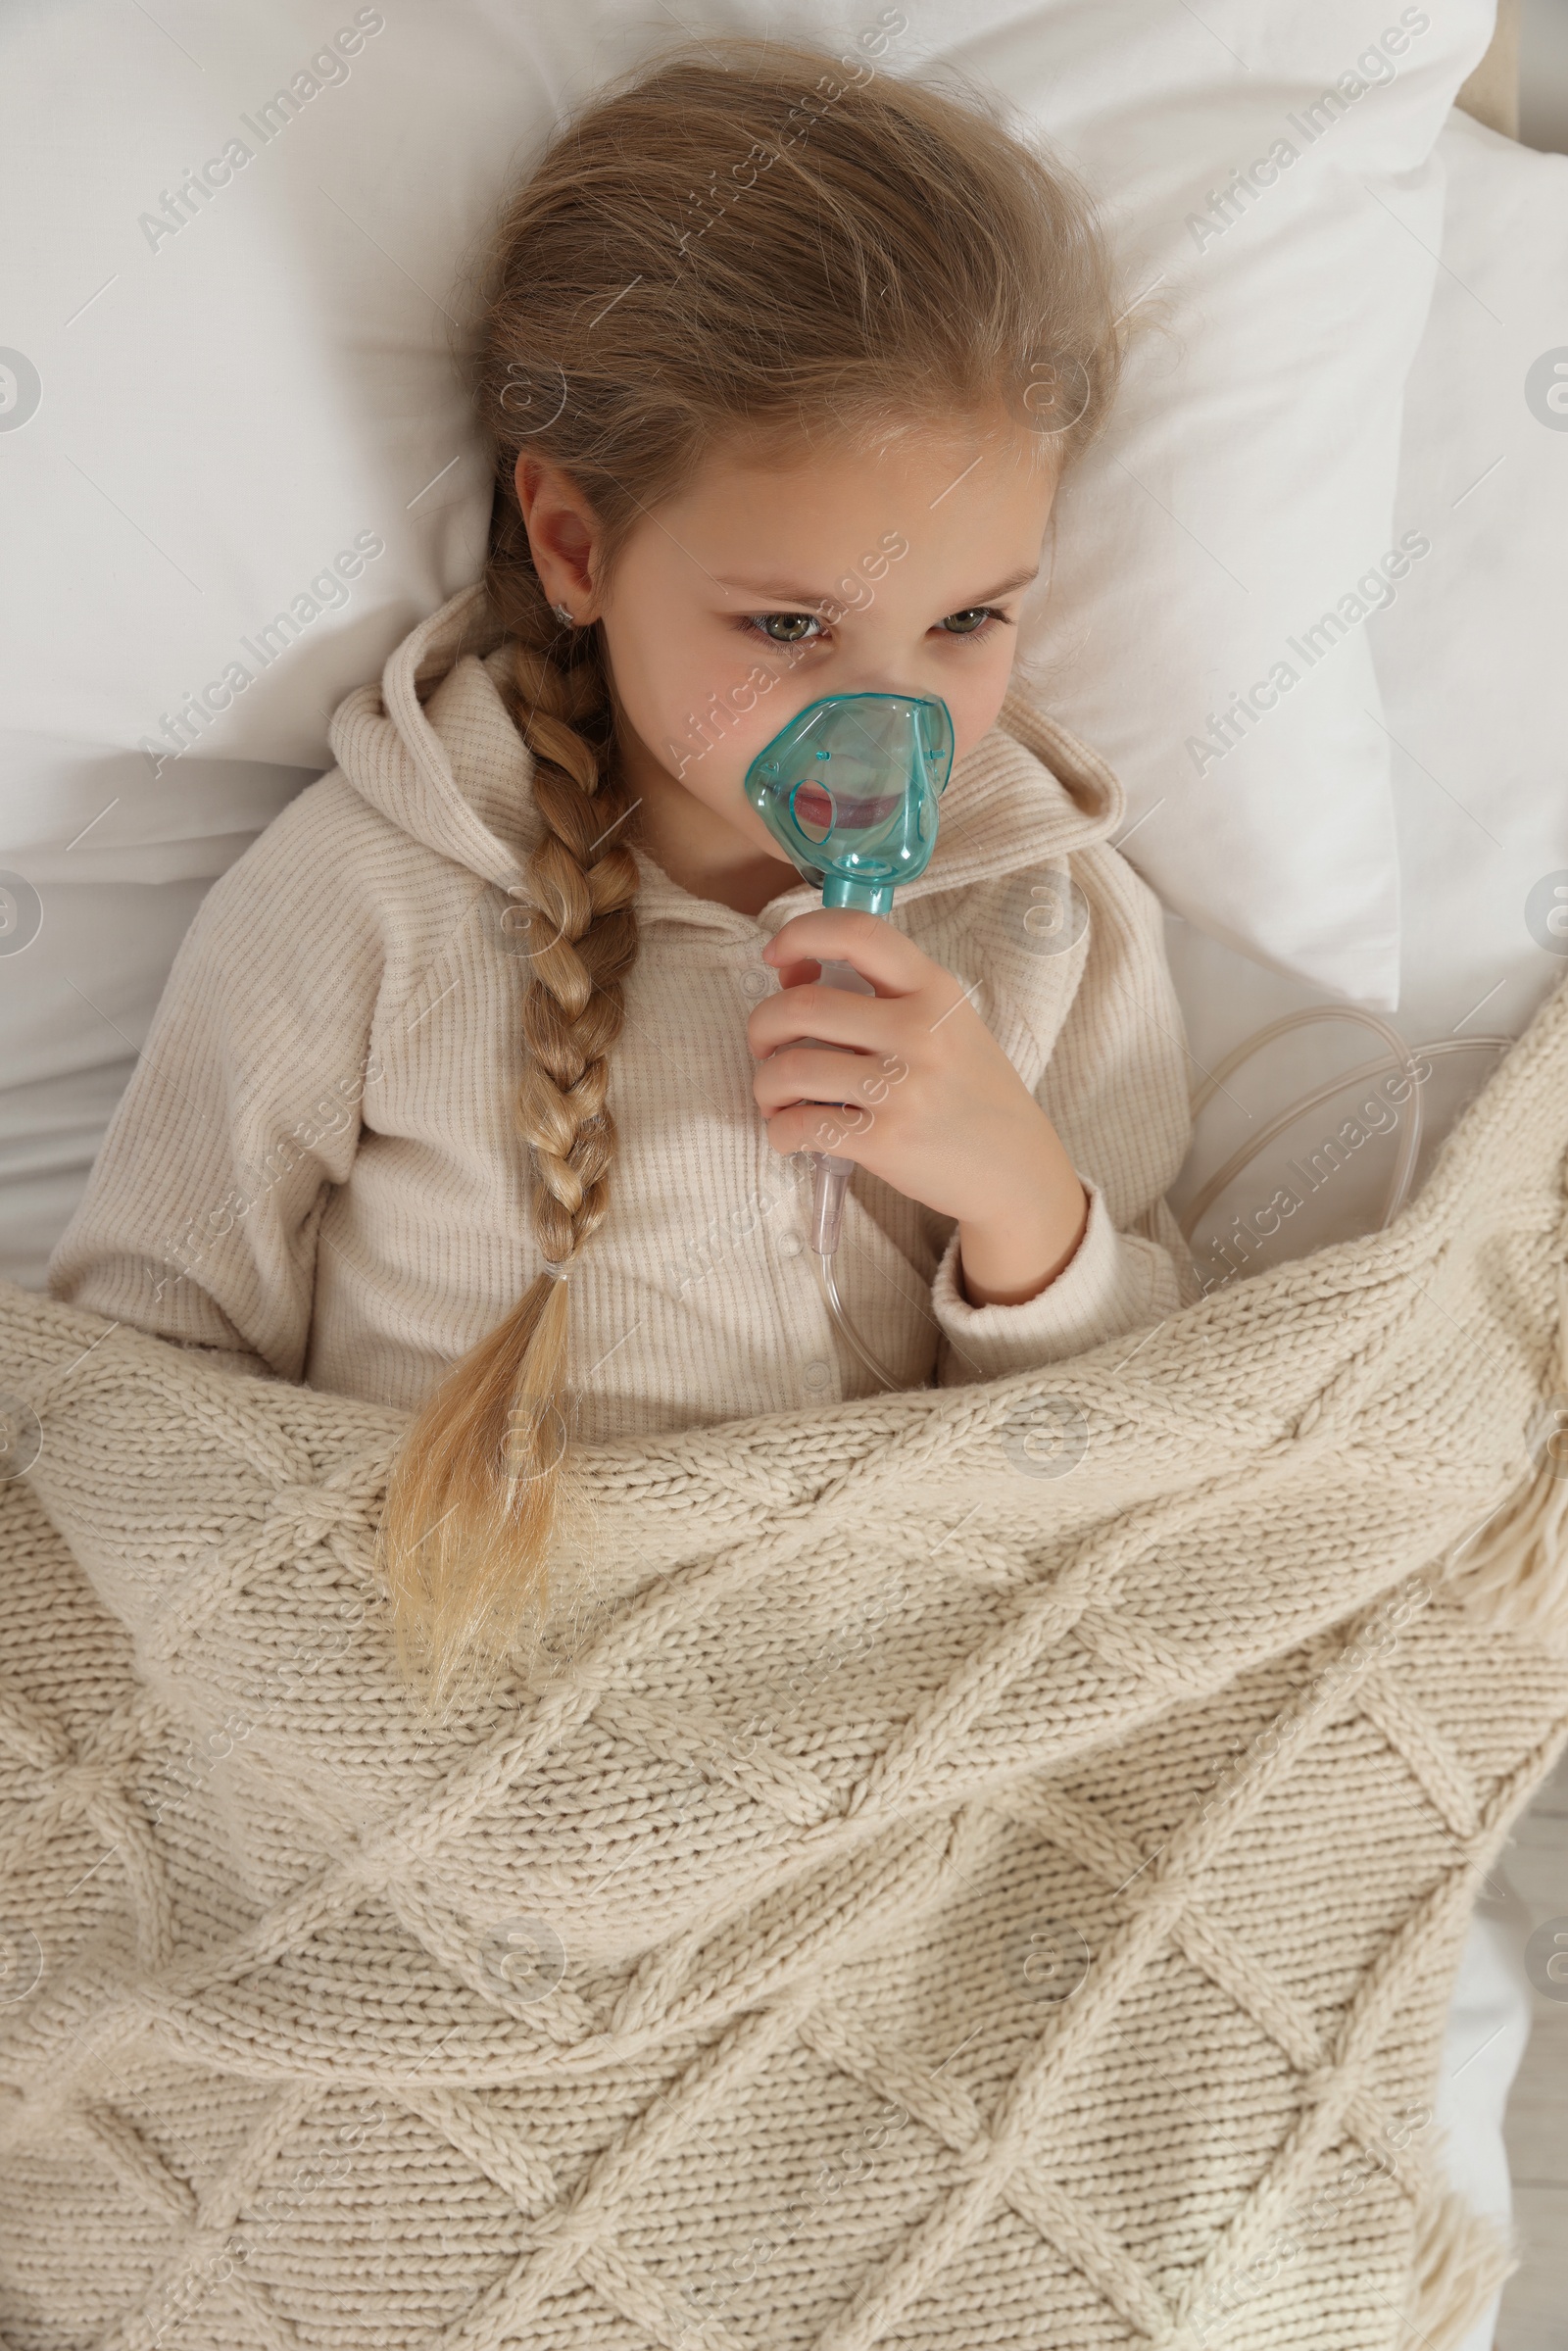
[
  {"x": 1115, "y": 1088},
  {"x": 199, "y": 1221}
]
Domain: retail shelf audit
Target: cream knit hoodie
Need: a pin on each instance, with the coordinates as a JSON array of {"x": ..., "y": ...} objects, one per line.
[{"x": 314, "y": 1167}]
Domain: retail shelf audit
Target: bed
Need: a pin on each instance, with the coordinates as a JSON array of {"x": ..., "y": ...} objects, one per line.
[
  {"x": 1377, "y": 861},
  {"x": 1475, "y": 957}
]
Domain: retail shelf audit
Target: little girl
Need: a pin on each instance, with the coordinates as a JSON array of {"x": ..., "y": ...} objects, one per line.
[{"x": 490, "y": 1047}]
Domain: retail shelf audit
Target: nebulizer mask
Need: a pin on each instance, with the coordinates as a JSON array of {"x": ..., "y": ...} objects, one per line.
[{"x": 849, "y": 790}]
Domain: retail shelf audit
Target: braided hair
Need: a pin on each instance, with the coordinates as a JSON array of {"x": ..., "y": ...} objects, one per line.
[{"x": 744, "y": 243}]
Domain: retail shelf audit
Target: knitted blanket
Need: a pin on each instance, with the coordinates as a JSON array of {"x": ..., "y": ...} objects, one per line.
[{"x": 980, "y": 1868}]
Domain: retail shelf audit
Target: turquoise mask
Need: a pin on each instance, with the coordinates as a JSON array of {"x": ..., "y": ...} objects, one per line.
[{"x": 849, "y": 790}]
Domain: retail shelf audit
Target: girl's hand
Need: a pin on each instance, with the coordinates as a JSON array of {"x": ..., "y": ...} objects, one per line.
[{"x": 930, "y": 1103}]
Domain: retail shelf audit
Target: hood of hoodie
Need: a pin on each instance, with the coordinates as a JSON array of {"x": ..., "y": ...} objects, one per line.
[{"x": 454, "y": 774}]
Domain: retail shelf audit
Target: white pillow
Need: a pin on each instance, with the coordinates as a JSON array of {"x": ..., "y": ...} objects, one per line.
[
  {"x": 1471, "y": 657},
  {"x": 200, "y": 420},
  {"x": 1475, "y": 694},
  {"x": 1220, "y": 552}
]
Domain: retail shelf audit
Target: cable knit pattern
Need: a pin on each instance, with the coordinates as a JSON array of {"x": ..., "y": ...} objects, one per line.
[
  {"x": 983, "y": 1867},
  {"x": 314, "y": 1162}
]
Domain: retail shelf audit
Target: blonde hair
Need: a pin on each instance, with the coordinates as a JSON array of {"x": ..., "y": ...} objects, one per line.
[{"x": 738, "y": 244}]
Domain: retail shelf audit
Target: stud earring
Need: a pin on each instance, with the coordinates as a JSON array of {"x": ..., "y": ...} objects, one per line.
[{"x": 562, "y": 616}]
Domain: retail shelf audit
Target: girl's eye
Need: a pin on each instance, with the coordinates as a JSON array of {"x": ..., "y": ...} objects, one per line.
[
  {"x": 971, "y": 622},
  {"x": 791, "y": 630}
]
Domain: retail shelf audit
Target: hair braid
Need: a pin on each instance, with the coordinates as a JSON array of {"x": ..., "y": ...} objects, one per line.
[
  {"x": 477, "y": 1481},
  {"x": 581, "y": 886}
]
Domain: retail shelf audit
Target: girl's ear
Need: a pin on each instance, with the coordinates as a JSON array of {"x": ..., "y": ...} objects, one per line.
[{"x": 562, "y": 532}]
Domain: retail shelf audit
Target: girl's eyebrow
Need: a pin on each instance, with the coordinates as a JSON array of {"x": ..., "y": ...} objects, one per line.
[{"x": 812, "y": 596}]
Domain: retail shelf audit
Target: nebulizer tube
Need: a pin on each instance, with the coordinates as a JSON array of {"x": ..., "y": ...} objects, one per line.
[
  {"x": 1398, "y": 1058},
  {"x": 849, "y": 788},
  {"x": 830, "y": 1173}
]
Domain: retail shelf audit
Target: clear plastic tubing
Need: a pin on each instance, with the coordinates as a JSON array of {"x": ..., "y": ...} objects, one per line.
[{"x": 830, "y": 1172}]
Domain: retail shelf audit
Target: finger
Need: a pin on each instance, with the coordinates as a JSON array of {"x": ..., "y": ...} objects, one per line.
[
  {"x": 798, "y": 975},
  {"x": 893, "y": 964},
  {"x": 820, "y": 1127},
  {"x": 802, "y": 1075},
  {"x": 870, "y": 1024}
]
